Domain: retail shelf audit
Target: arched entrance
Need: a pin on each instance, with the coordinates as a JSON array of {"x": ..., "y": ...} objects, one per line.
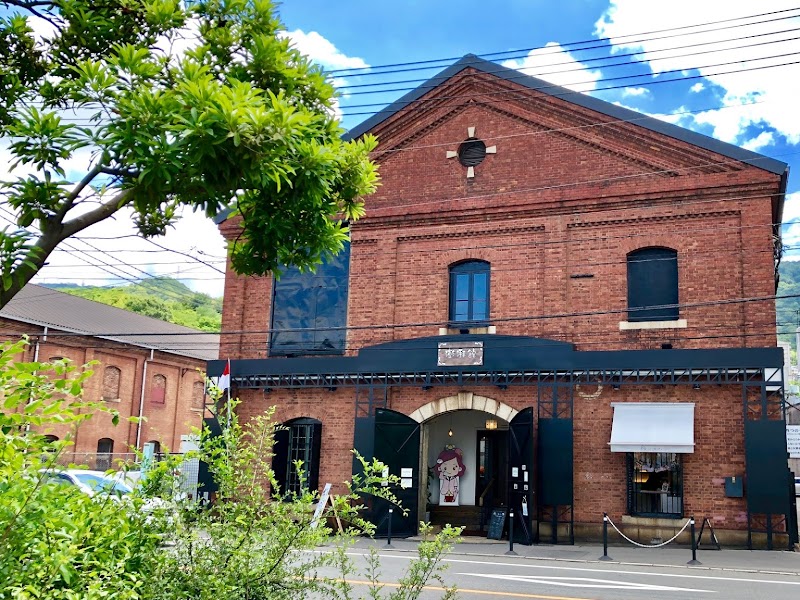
[{"x": 471, "y": 431}]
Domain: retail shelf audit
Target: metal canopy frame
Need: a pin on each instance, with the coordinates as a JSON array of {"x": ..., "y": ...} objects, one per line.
[{"x": 434, "y": 378}]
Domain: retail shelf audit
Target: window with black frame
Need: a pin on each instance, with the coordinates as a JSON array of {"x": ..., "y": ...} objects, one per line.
[
  {"x": 655, "y": 484},
  {"x": 653, "y": 285},
  {"x": 298, "y": 440},
  {"x": 469, "y": 292},
  {"x": 309, "y": 310}
]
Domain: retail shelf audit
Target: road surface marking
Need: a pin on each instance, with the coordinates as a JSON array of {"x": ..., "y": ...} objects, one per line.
[
  {"x": 587, "y": 570},
  {"x": 436, "y": 588},
  {"x": 585, "y": 582}
]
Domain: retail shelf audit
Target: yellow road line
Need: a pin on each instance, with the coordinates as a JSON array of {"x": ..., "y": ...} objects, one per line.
[{"x": 435, "y": 588}]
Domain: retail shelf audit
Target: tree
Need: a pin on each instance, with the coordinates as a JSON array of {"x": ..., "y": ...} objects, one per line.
[
  {"x": 200, "y": 104},
  {"x": 58, "y": 543}
]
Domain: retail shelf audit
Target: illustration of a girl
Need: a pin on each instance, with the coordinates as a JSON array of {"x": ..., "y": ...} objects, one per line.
[{"x": 449, "y": 467}]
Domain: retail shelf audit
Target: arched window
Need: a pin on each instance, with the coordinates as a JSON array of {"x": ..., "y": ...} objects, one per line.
[
  {"x": 198, "y": 394},
  {"x": 111, "y": 380},
  {"x": 158, "y": 389},
  {"x": 105, "y": 450},
  {"x": 469, "y": 292},
  {"x": 300, "y": 440},
  {"x": 653, "y": 285}
]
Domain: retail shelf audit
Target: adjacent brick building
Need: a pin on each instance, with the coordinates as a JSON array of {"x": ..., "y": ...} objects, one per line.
[
  {"x": 146, "y": 367},
  {"x": 577, "y": 296}
]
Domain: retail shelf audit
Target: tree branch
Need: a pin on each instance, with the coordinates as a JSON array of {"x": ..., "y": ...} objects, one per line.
[{"x": 53, "y": 234}]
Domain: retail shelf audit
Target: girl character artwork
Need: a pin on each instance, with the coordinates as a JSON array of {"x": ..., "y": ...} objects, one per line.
[{"x": 449, "y": 467}]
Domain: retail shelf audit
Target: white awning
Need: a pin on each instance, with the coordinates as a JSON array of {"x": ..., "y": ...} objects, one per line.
[{"x": 652, "y": 427}]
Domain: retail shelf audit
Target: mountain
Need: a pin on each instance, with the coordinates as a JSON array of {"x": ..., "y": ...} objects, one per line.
[
  {"x": 160, "y": 297},
  {"x": 788, "y": 309}
]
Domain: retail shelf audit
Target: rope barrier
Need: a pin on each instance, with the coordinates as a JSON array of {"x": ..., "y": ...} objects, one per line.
[{"x": 672, "y": 539}]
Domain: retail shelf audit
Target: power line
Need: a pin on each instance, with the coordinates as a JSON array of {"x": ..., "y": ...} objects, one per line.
[
  {"x": 615, "y": 57},
  {"x": 582, "y": 42},
  {"x": 560, "y": 94},
  {"x": 447, "y": 322}
]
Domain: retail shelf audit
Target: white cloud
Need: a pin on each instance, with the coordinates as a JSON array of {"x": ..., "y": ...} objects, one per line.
[
  {"x": 635, "y": 91},
  {"x": 791, "y": 228},
  {"x": 554, "y": 64},
  {"x": 132, "y": 258},
  {"x": 697, "y": 87},
  {"x": 777, "y": 88},
  {"x": 322, "y": 51},
  {"x": 765, "y": 138}
]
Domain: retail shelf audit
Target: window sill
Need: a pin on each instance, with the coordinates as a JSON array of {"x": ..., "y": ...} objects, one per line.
[
  {"x": 638, "y": 325},
  {"x": 112, "y": 400},
  {"x": 663, "y": 520},
  {"x": 473, "y": 328}
]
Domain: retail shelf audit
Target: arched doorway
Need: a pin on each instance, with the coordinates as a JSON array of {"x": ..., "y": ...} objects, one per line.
[{"x": 475, "y": 428}]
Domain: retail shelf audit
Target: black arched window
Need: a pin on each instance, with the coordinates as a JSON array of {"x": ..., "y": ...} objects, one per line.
[
  {"x": 469, "y": 292},
  {"x": 300, "y": 440},
  {"x": 653, "y": 285}
]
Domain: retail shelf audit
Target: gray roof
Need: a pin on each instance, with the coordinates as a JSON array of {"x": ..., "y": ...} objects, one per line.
[
  {"x": 47, "y": 307},
  {"x": 607, "y": 108}
]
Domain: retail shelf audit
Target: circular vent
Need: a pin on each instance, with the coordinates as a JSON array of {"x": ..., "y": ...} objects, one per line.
[{"x": 471, "y": 152}]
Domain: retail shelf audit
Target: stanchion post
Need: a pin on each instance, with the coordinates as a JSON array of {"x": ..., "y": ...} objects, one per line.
[
  {"x": 694, "y": 560},
  {"x": 389, "y": 532},
  {"x": 511, "y": 534},
  {"x": 605, "y": 539}
]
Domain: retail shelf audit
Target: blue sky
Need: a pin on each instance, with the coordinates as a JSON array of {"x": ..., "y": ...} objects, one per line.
[{"x": 755, "y": 107}]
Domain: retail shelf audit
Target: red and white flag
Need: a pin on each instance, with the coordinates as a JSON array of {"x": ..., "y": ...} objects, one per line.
[{"x": 224, "y": 381}]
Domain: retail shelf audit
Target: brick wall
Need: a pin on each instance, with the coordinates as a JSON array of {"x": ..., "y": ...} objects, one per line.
[
  {"x": 164, "y": 423},
  {"x": 569, "y": 192}
]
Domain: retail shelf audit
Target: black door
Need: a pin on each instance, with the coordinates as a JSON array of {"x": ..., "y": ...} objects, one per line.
[
  {"x": 521, "y": 477},
  {"x": 491, "y": 484},
  {"x": 397, "y": 446}
]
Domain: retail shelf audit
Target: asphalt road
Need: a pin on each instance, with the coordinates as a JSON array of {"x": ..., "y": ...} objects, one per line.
[{"x": 481, "y": 578}]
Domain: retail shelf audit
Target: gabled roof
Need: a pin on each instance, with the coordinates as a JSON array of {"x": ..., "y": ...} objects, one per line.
[
  {"x": 544, "y": 87},
  {"x": 47, "y": 307}
]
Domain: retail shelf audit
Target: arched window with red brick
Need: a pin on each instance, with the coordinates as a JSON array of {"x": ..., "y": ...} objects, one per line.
[
  {"x": 158, "y": 389},
  {"x": 469, "y": 292},
  {"x": 653, "y": 284},
  {"x": 111, "y": 382}
]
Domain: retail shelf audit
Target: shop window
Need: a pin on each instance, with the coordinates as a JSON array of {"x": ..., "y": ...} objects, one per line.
[
  {"x": 111, "y": 381},
  {"x": 158, "y": 389},
  {"x": 655, "y": 484},
  {"x": 299, "y": 441},
  {"x": 469, "y": 292},
  {"x": 653, "y": 285},
  {"x": 198, "y": 394},
  {"x": 105, "y": 451},
  {"x": 309, "y": 310}
]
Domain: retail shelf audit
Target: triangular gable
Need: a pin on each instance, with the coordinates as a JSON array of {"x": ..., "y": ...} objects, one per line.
[{"x": 601, "y": 106}]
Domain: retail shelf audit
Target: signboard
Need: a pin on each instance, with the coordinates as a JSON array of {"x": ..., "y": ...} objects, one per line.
[
  {"x": 497, "y": 523},
  {"x": 460, "y": 354},
  {"x": 323, "y": 500},
  {"x": 793, "y": 440}
]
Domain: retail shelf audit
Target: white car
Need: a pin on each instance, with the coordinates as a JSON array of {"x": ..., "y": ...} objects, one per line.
[
  {"x": 97, "y": 483},
  {"x": 90, "y": 483}
]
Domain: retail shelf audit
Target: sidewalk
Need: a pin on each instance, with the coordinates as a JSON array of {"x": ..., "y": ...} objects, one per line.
[{"x": 746, "y": 561}]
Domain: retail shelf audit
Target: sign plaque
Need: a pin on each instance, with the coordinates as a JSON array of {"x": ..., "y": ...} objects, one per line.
[
  {"x": 793, "y": 440},
  {"x": 460, "y": 354}
]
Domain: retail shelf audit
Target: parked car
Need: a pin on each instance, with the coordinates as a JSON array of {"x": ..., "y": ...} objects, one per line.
[
  {"x": 91, "y": 483},
  {"x": 98, "y": 484}
]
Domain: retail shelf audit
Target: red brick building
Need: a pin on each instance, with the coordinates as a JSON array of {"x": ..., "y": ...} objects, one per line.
[
  {"x": 147, "y": 367},
  {"x": 575, "y": 295}
]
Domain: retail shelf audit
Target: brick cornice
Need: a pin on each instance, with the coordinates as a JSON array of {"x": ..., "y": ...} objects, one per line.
[
  {"x": 654, "y": 219},
  {"x": 471, "y": 233}
]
